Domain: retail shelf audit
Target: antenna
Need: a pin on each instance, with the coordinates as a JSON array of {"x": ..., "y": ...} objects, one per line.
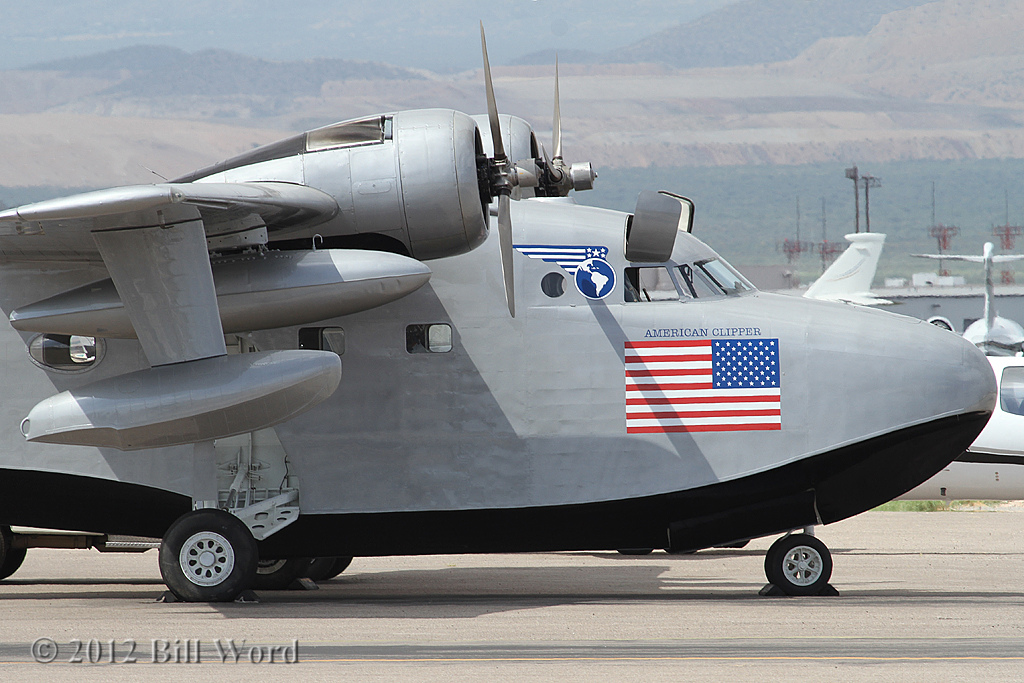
[
  {"x": 1007, "y": 235},
  {"x": 827, "y": 250},
  {"x": 944, "y": 234},
  {"x": 793, "y": 248}
]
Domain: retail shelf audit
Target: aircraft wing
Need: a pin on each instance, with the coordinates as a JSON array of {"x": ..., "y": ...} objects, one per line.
[
  {"x": 952, "y": 257},
  {"x": 232, "y": 214},
  {"x": 859, "y": 298},
  {"x": 154, "y": 241}
]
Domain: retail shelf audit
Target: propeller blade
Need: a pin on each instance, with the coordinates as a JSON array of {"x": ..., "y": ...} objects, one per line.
[
  {"x": 492, "y": 106},
  {"x": 556, "y": 126},
  {"x": 505, "y": 244}
]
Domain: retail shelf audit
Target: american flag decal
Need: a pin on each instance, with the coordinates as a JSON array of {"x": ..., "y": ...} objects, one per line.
[{"x": 703, "y": 385}]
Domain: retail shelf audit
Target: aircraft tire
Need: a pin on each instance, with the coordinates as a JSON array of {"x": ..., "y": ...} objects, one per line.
[
  {"x": 277, "y": 575},
  {"x": 324, "y": 568},
  {"x": 10, "y": 558},
  {"x": 208, "y": 556},
  {"x": 341, "y": 563},
  {"x": 798, "y": 564},
  {"x": 635, "y": 551}
]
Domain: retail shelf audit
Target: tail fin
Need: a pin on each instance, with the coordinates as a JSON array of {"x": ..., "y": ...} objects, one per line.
[{"x": 849, "y": 278}]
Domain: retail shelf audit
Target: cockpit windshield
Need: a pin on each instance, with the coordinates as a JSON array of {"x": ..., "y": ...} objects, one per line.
[
  {"x": 696, "y": 272},
  {"x": 713, "y": 277}
]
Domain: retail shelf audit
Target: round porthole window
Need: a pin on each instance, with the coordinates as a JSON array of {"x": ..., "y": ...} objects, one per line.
[
  {"x": 553, "y": 284},
  {"x": 67, "y": 352}
]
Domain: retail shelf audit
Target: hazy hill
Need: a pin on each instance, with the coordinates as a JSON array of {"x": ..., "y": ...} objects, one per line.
[
  {"x": 747, "y": 32},
  {"x": 153, "y": 71},
  {"x": 966, "y": 51}
]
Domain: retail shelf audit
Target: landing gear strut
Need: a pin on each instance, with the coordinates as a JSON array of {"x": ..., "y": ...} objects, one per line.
[
  {"x": 208, "y": 556},
  {"x": 799, "y": 564}
]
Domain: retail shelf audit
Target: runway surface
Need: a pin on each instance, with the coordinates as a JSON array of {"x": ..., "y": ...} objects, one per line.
[{"x": 923, "y": 596}]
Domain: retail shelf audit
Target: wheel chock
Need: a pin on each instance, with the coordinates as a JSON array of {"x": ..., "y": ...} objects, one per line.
[{"x": 773, "y": 591}]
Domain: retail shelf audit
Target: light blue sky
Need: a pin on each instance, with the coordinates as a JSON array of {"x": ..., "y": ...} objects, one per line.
[{"x": 434, "y": 34}]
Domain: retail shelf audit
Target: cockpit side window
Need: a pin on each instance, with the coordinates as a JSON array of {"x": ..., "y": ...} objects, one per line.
[
  {"x": 653, "y": 283},
  {"x": 1011, "y": 390}
]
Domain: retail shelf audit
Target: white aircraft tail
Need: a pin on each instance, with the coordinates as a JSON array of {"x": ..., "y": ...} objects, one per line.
[{"x": 849, "y": 278}]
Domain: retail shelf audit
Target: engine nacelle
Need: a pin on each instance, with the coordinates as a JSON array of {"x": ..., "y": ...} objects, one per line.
[{"x": 411, "y": 175}]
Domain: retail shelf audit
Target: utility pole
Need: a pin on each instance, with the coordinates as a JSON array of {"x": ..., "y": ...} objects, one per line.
[
  {"x": 851, "y": 173},
  {"x": 869, "y": 182}
]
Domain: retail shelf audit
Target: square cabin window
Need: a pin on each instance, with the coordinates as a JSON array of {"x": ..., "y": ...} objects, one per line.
[
  {"x": 323, "y": 339},
  {"x": 429, "y": 338}
]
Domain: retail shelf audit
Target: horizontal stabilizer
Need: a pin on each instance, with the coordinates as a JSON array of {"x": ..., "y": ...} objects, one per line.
[{"x": 188, "y": 402}]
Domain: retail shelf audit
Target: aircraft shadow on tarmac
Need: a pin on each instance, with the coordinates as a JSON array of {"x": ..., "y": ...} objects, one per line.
[{"x": 467, "y": 592}]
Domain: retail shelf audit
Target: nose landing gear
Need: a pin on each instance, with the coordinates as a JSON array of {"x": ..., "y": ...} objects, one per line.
[{"x": 798, "y": 564}]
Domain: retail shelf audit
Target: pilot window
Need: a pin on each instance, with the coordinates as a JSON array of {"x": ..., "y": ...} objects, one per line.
[
  {"x": 709, "y": 278},
  {"x": 649, "y": 284},
  {"x": 1011, "y": 390},
  {"x": 323, "y": 339},
  {"x": 63, "y": 351},
  {"x": 430, "y": 338}
]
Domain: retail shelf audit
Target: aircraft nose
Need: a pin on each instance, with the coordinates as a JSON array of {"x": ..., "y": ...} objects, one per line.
[{"x": 905, "y": 397}]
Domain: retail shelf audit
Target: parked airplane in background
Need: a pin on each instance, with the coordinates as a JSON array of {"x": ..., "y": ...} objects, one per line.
[
  {"x": 993, "y": 334},
  {"x": 992, "y": 468},
  {"x": 588, "y": 379},
  {"x": 849, "y": 278}
]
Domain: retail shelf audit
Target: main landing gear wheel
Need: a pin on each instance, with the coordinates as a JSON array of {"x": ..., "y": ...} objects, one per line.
[
  {"x": 208, "y": 556},
  {"x": 277, "y": 575},
  {"x": 326, "y": 568},
  {"x": 10, "y": 558},
  {"x": 798, "y": 564}
]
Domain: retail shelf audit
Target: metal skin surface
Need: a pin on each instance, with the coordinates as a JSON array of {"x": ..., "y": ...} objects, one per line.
[
  {"x": 254, "y": 291},
  {"x": 522, "y": 418},
  {"x": 530, "y": 411}
]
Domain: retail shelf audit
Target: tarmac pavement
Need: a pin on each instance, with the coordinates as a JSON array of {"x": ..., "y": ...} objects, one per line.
[{"x": 923, "y": 596}]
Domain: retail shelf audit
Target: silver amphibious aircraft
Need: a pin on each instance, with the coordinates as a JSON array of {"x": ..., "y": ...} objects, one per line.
[{"x": 578, "y": 378}]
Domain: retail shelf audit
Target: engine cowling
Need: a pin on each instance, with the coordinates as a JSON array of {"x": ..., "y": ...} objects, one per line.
[{"x": 412, "y": 176}]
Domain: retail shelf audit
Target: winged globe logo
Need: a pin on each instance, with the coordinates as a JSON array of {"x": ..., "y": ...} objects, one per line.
[{"x": 595, "y": 278}]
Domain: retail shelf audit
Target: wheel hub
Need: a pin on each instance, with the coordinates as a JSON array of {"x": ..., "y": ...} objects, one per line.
[
  {"x": 802, "y": 565},
  {"x": 206, "y": 558}
]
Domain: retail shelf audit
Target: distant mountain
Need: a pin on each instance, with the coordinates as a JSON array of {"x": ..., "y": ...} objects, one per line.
[
  {"x": 757, "y": 32},
  {"x": 155, "y": 71}
]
